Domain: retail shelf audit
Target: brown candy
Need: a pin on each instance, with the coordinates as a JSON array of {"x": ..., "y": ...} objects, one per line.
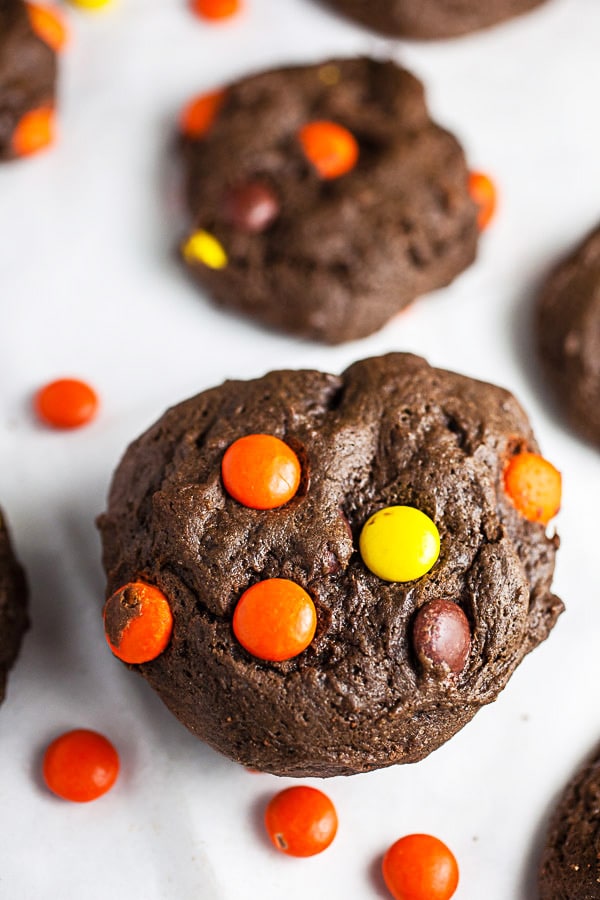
[
  {"x": 251, "y": 207},
  {"x": 442, "y": 637}
]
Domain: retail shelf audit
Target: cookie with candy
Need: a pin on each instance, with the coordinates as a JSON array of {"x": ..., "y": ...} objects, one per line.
[
  {"x": 324, "y": 574},
  {"x": 323, "y": 199},
  {"x": 31, "y": 36}
]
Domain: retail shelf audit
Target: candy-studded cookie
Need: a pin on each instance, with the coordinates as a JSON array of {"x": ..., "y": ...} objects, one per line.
[
  {"x": 323, "y": 574},
  {"x": 431, "y": 18},
  {"x": 568, "y": 330},
  {"x": 13, "y": 605},
  {"x": 323, "y": 198},
  {"x": 570, "y": 867},
  {"x": 29, "y": 38}
]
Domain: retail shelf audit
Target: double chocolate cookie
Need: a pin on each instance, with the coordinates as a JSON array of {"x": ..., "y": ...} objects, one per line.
[
  {"x": 431, "y": 18},
  {"x": 570, "y": 867},
  {"x": 13, "y": 605},
  {"x": 568, "y": 327},
  {"x": 324, "y": 198},
  {"x": 27, "y": 79},
  {"x": 349, "y": 577}
]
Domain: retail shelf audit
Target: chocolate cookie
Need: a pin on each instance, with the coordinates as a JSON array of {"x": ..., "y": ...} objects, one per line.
[
  {"x": 568, "y": 329},
  {"x": 570, "y": 867},
  {"x": 27, "y": 82},
  {"x": 13, "y": 605},
  {"x": 324, "y": 198},
  {"x": 431, "y": 18},
  {"x": 407, "y": 649}
]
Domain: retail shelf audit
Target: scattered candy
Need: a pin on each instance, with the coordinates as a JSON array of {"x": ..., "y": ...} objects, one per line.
[
  {"x": 399, "y": 543},
  {"x": 420, "y": 867},
  {"x": 202, "y": 247},
  {"x": 441, "y": 636},
  {"x": 34, "y": 131},
  {"x": 534, "y": 486},
  {"x": 66, "y": 403},
  {"x": 80, "y": 765},
  {"x": 275, "y": 619},
  {"x": 330, "y": 147},
  {"x": 251, "y": 207},
  {"x": 91, "y": 4},
  {"x": 200, "y": 113},
  {"x": 261, "y": 471},
  {"x": 48, "y": 24},
  {"x": 138, "y": 622},
  {"x": 483, "y": 193},
  {"x": 301, "y": 821},
  {"x": 215, "y": 9}
]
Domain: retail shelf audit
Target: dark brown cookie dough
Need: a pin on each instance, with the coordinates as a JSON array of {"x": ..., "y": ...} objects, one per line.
[
  {"x": 27, "y": 72},
  {"x": 332, "y": 259},
  {"x": 570, "y": 867},
  {"x": 431, "y": 18},
  {"x": 568, "y": 332},
  {"x": 13, "y": 605},
  {"x": 389, "y": 431}
]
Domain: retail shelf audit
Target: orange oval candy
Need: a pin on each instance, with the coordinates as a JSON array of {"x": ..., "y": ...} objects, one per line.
[
  {"x": 331, "y": 148},
  {"x": 80, "y": 765},
  {"x": 48, "y": 24},
  {"x": 420, "y": 867},
  {"x": 198, "y": 116},
  {"x": 33, "y": 132},
  {"x": 215, "y": 9},
  {"x": 534, "y": 486},
  {"x": 483, "y": 193},
  {"x": 275, "y": 619},
  {"x": 301, "y": 821},
  {"x": 138, "y": 622},
  {"x": 66, "y": 403},
  {"x": 261, "y": 471}
]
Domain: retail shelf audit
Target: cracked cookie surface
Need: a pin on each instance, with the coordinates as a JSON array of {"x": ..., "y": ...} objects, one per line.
[
  {"x": 389, "y": 430},
  {"x": 337, "y": 257}
]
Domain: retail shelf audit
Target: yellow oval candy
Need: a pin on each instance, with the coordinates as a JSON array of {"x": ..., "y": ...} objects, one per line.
[
  {"x": 91, "y": 4},
  {"x": 202, "y": 247},
  {"x": 399, "y": 543}
]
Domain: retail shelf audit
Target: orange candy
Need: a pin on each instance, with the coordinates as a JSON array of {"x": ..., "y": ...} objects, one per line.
[
  {"x": 483, "y": 193},
  {"x": 275, "y": 619},
  {"x": 80, "y": 765},
  {"x": 34, "y": 131},
  {"x": 66, "y": 403},
  {"x": 215, "y": 9},
  {"x": 49, "y": 26},
  {"x": 420, "y": 867},
  {"x": 138, "y": 622},
  {"x": 330, "y": 147},
  {"x": 261, "y": 471},
  {"x": 534, "y": 486},
  {"x": 301, "y": 821},
  {"x": 199, "y": 114}
]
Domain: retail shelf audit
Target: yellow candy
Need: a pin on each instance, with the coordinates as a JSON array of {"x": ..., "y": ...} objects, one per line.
[
  {"x": 204, "y": 248},
  {"x": 399, "y": 543},
  {"x": 91, "y": 4}
]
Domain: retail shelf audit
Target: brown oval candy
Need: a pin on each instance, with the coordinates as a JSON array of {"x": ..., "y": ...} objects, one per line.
[
  {"x": 442, "y": 636},
  {"x": 251, "y": 207}
]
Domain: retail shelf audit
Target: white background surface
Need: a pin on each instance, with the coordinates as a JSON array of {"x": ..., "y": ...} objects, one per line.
[{"x": 89, "y": 287}]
